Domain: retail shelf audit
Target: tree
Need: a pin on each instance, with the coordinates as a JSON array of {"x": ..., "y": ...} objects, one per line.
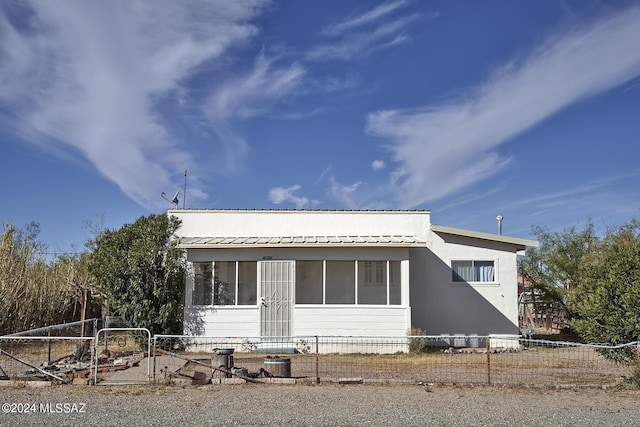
[
  {"x": 142, "y": 270},
  {"x": 598, "y": 279},
  {"x": 607, "y": 302},
  {"x": 560, "y": 263}
]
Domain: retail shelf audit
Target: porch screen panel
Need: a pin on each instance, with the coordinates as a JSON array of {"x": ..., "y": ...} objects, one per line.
[
  {"x": 276, "y": 286},
  {"x": 247, "y": 282},
  {"x": 372, "y": 282},
  {"x": 308, "y": 282},
  {"x": 201, "y": 292},
  {"x": 340, "y": 282},
  {"x": 395, "y": 294},
  {"x": 224, "y": 287}
]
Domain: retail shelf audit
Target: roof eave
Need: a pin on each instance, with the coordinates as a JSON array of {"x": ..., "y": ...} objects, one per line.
[
  {"x": 518, "y": 242},
  {"x": 354, "y": 241},
  {"x": 307, "y": 245}
]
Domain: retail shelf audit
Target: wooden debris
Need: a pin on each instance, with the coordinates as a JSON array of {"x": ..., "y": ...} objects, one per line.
[{"x": 350, "y": 381}]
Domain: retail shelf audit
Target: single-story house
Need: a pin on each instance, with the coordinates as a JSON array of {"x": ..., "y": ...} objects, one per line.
[{"x": 344, "y": 273}]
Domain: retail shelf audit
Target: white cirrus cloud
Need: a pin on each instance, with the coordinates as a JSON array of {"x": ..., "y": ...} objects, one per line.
[
  {"x": 246, "y": 96},
  {"x": 365, "y": 18},
  {"x": 377, "y": 165},
  {"x": 442, "y": 149},
  {"x": 93, "y": 76},
  {"x": 346, "y": 194},
  {"x": 365, "y": 34},
  {"x": 280, "y": 195},
  {"x": 249, "y": 95}
]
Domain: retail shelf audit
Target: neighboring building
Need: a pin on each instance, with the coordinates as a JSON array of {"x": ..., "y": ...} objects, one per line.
[{"x": 345, "y": 273}]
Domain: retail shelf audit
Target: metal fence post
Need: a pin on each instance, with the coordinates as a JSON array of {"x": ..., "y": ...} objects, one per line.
[
  {"x": 49, "y": 345},
  {"x": 489, "y": 360},
  {"x": 317, "y": 362},
  {"x": 154, "y": 357}
]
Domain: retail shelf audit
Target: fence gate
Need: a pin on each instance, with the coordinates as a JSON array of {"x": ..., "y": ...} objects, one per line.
[
  {"x": 122, "y": 356},
  {"x": 276, "y": 290}
]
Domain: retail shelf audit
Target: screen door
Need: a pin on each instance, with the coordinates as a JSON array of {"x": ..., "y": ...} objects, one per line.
[{"x": 276, "y": 302}]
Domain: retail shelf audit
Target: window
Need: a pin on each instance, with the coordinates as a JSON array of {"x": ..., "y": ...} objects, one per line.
[
  {"x": 340, "y": 282},
  {"x": 394, "y": 283},
  {"x": 224, "y": 283},
  {"x": 247, "y": 282},
  {"x": 235, "y": 283},
  {"x": 203, "y": 273},
  {"x": 309, "y": 282},
  {"x": 372, "y": 282},
  {"x": 473, "y": 271},
  {"x": 373, "y": 273}
]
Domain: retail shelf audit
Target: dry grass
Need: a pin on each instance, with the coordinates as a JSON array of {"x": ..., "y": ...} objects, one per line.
[{"x": 546, "y": 366}]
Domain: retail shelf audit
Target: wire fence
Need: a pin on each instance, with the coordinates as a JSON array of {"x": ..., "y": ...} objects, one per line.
[
  {"x": 126, "y": 356},
  {"x": 428, "y": 359},
  {"x": 81, "y": 328},
  {"x": 51, "y": 358}
]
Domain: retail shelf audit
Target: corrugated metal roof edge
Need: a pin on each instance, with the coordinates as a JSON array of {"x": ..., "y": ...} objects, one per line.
[
  {"x": 294, "y": 241},
  {"x": 305, "y": 245},
  {"x": 302, "y": 210}
]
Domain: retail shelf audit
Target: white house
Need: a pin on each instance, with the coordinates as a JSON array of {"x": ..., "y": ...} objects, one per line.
[{"x": 344, "y": 273}]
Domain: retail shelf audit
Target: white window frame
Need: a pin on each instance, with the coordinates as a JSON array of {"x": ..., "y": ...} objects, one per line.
[
  {"x": 213, "y": 272},
  {"x": 496, "y": 269},
  {"x": 386, "y": 267}
]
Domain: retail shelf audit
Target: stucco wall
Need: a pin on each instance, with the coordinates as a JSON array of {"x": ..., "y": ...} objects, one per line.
[
  {"x": 443, "y": 307},
  {"x": 430, "y": 300},
  {"x": 241, "y": 223}
]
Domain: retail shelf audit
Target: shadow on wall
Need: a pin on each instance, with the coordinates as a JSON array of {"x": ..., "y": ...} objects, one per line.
[
  {"x": 193, "y": 322},
  {"x": 438, "y": 307}
]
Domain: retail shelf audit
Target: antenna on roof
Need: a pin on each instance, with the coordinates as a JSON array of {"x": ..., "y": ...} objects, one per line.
[
  {"x": 499, "y": 218},
  {"x": 184, "y": 194},
  {"x": 173, "y": 200}
]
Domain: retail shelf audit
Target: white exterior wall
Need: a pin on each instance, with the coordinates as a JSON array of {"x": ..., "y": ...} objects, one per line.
[
  {"x": 307, "y": 319},
  {"x": 238, "y": 321},
  {"x": 370, "y": 320},
  {"x": 430, "y": 300},
  {"x": 241, "y": 223},
  {"x": 441, "y": 306}
]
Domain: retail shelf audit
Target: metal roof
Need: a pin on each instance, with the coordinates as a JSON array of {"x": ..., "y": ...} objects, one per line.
[
  {"x": 297, "y": 241},
  {"x": 520, "y": 243},
  {"x": 420, "y": 211}
]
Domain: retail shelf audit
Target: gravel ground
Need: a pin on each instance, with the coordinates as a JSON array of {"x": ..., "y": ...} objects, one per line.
[{"x": 323, "y": 405}]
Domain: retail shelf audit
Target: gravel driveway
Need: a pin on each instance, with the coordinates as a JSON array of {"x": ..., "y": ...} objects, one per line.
[{"x": 323, "y": 405}]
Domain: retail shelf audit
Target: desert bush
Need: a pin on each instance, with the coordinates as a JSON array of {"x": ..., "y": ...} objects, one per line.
[{"x": 417, "y": 340}]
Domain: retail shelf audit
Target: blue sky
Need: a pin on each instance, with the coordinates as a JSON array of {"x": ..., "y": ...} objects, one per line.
[{"x": 468, "y": 109}]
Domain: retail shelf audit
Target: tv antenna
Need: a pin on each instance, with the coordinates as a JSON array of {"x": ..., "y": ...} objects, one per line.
[{"x": 173, "y": 200}]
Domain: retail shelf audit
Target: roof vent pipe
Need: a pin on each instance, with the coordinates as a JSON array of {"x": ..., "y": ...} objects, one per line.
[{"x": 499, "y": 218}]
